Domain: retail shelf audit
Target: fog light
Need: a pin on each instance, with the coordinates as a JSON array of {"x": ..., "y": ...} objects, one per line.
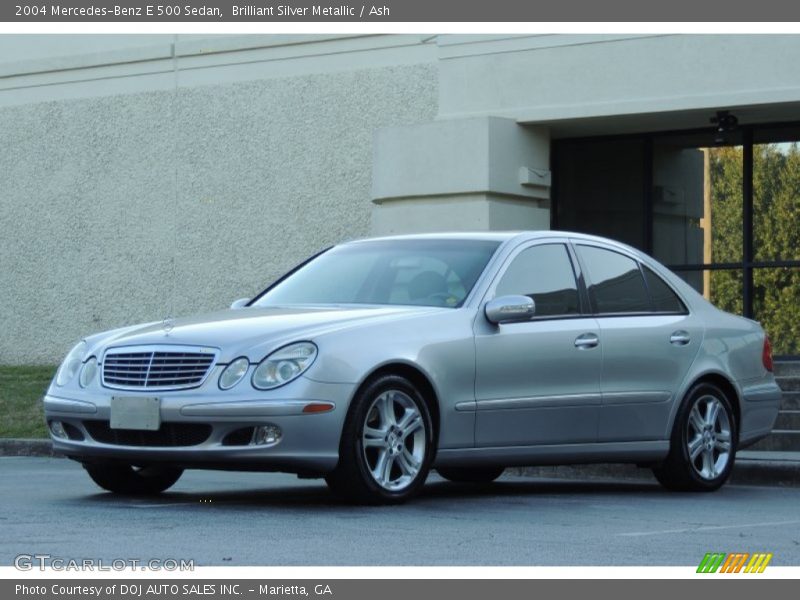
[
  {"x": 58, "y": 430},
  {"x": 267, "y": 434}
]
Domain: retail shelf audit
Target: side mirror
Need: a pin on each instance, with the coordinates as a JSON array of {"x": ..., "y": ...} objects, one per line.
[
  {"x": 240, "y": 303},
  {"x": 510, "y": 309}
]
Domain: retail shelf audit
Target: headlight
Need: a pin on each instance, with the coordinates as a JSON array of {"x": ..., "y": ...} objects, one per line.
[
  {"x": 283, "y": 365},
  {"x": 88, "y": 372},
  {"x": 71, "y": 364},
  {"x": 233, "y": 373}
]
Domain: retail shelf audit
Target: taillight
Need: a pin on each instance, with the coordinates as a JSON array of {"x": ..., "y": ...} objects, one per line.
[{"x": 766, "y": 355}]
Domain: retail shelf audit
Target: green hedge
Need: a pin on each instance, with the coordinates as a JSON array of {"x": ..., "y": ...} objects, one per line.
[{"x": 21, "y": 391}]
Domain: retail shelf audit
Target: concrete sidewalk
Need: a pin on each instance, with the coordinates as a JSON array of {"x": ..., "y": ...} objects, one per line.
[{"x": 753, "y": 467}]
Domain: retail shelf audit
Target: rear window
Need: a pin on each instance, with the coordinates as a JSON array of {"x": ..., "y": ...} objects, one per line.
[{"x": 617, "y": 285}]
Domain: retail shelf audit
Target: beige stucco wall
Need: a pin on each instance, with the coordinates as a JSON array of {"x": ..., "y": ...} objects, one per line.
[
  {"x": 122, "y": 208},
  {"x": 146, "y": 176}
]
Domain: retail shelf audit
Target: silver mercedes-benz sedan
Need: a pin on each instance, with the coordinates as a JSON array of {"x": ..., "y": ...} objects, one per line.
[{"x": 377, "y": 360}]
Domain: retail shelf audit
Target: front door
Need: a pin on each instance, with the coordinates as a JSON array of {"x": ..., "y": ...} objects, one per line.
[{"x": 538, "y": 382}]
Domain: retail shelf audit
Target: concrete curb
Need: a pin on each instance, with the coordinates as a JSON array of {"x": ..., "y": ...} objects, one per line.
[
  {"x": 773, "y": 470},
  {"x": 779, "y": 473},
  {"x": 757, "y": 472},
  {"x": 26, "y": 447}
]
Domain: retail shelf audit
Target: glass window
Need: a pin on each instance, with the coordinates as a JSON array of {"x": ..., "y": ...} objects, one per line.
[
  {"x": 422, "y": 276},
  {"x": 616, "y": 285},
  {"x": 421, "y": 272},
  {"x": 776, "y": 298},
  {"x": 697, "y": 201},
  {"x": 661, "y": 295},
  {"x": 600, "y": 188},
  {"x": 545, "y": 274},
  {"x": 776, "y": 201}
]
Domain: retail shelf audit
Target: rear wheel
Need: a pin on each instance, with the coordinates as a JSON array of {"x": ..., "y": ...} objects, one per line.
[
  {"x": 471, "y": 474},
  {"x": 387, "y": 444},
  {"x": 703, "y": 443},
  {"x": 133, "y": 481}
]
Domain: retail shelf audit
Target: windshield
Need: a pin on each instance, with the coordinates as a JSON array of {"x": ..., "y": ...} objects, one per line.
[{"x": 417, "y": 272}]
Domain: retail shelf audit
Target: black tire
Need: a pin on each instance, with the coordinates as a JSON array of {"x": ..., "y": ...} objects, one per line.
[
  {"x": 471, "y": 474},
  {"x": 353, "y": 477},
  {"x": 679, "y": 472},
  {"x": 133, "y": 481}
]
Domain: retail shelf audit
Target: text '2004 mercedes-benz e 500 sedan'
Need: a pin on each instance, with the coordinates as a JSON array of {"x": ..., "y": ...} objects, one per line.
[{"x": 378, "y": 360}]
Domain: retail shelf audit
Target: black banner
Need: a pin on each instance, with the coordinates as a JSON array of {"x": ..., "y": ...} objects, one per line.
[
  {"x": 397, "y": 589},
  {"x": 399, "y": 11}
]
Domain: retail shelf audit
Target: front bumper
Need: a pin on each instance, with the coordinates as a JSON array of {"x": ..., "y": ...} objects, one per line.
[{"x": 309, "y": 442}]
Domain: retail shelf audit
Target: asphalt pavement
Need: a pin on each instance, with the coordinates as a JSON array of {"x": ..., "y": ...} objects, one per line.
[{"x": 50, "y": 506}]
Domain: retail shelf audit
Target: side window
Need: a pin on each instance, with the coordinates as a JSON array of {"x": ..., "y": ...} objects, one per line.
[
  {"x": 617, "y": 285},
  {"x": 664, "y": 299},
  {"x": 545, "y": 274}
]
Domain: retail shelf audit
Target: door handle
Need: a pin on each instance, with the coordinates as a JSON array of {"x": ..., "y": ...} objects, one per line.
[
  {"x": 586, "y": 341},
  {"x": 680, "y": 338}
]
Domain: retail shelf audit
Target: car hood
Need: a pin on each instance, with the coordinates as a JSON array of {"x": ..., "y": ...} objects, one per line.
[{"x": 253, "y": 332}]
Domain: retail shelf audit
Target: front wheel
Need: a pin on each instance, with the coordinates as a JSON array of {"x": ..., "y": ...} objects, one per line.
[
  {"x": 387, "y": 444},
  {"x": 703, "y": 443},
  {"x": 133, "y": 481}
]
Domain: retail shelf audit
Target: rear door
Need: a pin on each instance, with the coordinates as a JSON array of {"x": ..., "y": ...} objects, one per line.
[{"x": 649, "y": 340}]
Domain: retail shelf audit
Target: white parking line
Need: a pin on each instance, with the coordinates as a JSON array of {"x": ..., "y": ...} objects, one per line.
[
  {"x": 163, "y": 505},
  {"x": 709, "y": 528}
]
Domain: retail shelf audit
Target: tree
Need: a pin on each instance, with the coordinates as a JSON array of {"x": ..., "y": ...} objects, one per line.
[{"x": 776, "y": 236}]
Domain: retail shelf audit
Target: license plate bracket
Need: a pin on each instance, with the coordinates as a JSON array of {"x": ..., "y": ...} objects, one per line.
[{"x": 135, "y": 412}]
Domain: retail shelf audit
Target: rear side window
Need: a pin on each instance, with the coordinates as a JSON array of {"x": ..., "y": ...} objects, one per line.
[
  {"x": 617, "y": 285},
  {"x": 545, "y": 274},
  {"x": 664, "y": 299}
]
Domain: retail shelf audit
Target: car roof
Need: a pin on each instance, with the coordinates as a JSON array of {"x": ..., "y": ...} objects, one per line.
[
  {"x": 499, "y": 236},
  {"x": 496, "y": 236}
]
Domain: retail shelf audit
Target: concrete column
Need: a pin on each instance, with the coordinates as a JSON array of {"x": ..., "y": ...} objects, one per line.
[{"x": 476, "y": 174}]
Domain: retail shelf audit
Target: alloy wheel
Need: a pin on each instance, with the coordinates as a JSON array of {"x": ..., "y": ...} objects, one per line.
[
  {"x": 708, "y": 437},
  {"x": 394, "y": 440}
]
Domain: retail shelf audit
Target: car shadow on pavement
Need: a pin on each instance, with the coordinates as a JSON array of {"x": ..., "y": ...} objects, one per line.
[{"x": 309, "y": 495}]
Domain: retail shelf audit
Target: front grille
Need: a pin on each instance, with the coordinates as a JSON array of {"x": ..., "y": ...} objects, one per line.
[
  {"x": 155, "y": 369},
  {"x": 169, "y": 435}
]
